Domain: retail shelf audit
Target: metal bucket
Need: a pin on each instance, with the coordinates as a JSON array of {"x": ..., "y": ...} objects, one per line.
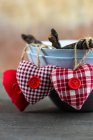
[{"x": 63, "y": 58}]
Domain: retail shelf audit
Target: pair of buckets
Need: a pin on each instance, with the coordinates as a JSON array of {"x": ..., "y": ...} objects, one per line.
[{"x": 63, "y": 58}]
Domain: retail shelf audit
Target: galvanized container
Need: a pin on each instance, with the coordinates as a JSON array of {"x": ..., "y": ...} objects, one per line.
[{"x": 63, "y": 58}]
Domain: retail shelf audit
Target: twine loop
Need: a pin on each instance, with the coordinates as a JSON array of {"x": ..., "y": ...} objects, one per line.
[
  {"x": 76, "y": 65},
  {"x": 24, "y": 52},
  {"x": 39, "y": 47}
]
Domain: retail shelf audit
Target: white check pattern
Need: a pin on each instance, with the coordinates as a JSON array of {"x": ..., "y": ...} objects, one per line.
[
  {"x": 25, "y": 71},
  {"x": 75, "y": 98}
]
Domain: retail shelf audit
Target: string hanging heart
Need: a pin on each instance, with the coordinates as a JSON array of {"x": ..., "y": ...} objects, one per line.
[
  {"x": 74, "y": 86},
  {"x": 34, "y": 81}
]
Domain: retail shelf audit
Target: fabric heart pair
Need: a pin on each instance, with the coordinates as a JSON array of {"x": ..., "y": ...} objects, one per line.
[{"x": 72, "y": 86}]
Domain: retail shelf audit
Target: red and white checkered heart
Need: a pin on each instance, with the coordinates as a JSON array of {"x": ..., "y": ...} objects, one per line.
[
  {"x": 73, "y": 86},
  {"x": 34, "y": 82}
]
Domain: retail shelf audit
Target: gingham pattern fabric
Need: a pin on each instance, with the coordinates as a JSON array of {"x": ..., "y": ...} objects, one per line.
[
  {"x": 25, "y": 71},
  {"x": 74, "y": 98}
]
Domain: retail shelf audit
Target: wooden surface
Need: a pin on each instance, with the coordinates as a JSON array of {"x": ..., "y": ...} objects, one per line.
[{"x": 42, "y": 121}]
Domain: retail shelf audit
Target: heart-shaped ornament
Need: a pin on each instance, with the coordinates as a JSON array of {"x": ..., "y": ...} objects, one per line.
[
  {"x": 73, "y": 86},
  {"x": 34, "y": 82},
  {"x": 11, "y": 86}
]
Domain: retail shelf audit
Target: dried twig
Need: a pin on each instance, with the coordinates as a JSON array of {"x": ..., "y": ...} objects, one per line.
[
  {"x": 30, "y": 39},
  {"x": 53, "y": 38},
  {"x": 81, "y": 45}
]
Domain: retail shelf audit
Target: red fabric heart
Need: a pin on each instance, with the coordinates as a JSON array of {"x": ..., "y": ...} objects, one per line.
[
  {"x": 34, "y": 82},
  {"x": 13, "y": 90},
  {"x": 73, "y": 86}
]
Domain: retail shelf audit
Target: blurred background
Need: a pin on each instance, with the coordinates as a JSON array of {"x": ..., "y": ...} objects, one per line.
[{"x": 73, "y": 19}]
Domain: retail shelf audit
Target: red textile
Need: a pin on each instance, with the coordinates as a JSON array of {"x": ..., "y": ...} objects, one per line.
[
  {"x": 13, "y": 90},
  {"x": 34, "y": 82},
  {"x": 81, "y": 80}
]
